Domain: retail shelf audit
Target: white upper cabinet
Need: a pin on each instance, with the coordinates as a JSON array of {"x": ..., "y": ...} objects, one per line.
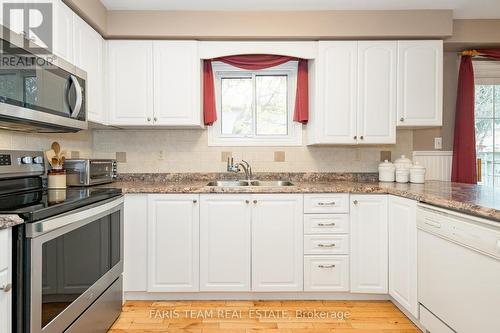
[
  {"x": 154, "y": 83},
  {"x": 403, "y": 252},
  {"x": 369, "y": 247},
  {"x": 173, "y": 241},
  {"x": 377, "y": 75},
  {"x": 130, "y": 83},
  {"x": 355, "y": 93},
  {"x": 89, "y": 56},
  {"x": 63, "y": 25},
  {"x": 334, "y": 117},
  {"x": 277, "y": 250},
  {"x": 177, "y": 86},
  {"x": 420, "y": 83},
  {"x": 225, "y": 246}
]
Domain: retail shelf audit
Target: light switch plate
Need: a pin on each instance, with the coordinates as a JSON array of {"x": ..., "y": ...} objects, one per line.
[{"x": 438, "y": 143}]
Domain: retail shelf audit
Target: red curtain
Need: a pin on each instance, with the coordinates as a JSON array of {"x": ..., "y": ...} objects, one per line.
[
  {"x": 256, "y": 62},
  {"x": 464, "y": 143}
]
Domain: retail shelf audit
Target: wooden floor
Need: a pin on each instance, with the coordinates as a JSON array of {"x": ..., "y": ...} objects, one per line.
[{"x": 262, "y": 316}]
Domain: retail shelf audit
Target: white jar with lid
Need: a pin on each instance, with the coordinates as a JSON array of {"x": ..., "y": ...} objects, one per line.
[
  {"x": 403, "y": 163},
  {"x": 386, "y": 171},
  {"x": 417, "y": 174},
  {"x": 402, "y": 175}
]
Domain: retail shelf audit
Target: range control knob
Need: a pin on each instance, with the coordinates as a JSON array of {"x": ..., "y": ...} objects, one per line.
[
  {"x": 38, "y": 159},
  {"x": 27, "y": 160}
]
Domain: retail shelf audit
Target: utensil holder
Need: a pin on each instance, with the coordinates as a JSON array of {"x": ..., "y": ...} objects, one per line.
[{"x": 56, "y": 179}]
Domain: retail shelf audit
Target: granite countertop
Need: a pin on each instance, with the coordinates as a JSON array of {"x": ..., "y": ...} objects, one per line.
[
  {"x": 7, "y": 221},
  {"x": 470, "y": 199}
]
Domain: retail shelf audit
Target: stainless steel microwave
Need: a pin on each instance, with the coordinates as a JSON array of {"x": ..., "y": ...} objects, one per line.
[{"x": 39, "y": 93}]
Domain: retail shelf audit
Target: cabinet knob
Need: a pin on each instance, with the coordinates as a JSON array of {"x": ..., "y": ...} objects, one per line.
[
  {"x": 401, "y": 119},
  {"x": 361, "y": 137},
  {"x": 355, "y": 202},
  {"x": 247, "y": 201},
  {"x": 255, "y": 201},
  {"x": 155, "y": 119},
  {"x": 355, "y": 137},
  {"x": 195, "y": 201},
  {"x": 6, "y": 287},
  {"x": 149, "y": 119}
]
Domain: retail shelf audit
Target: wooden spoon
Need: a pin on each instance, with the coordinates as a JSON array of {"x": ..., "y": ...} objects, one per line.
[
  {"x": 56, "y": 147},
  {"x": 54, "y": 162},
  {"x": 61, "y": 160},
  {"x": 50, "y": 154}
]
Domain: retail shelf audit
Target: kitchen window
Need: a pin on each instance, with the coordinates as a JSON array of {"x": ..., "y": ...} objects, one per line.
[
  {"x": 487, "y": 116},
  {"x": 255, "y": 108}
]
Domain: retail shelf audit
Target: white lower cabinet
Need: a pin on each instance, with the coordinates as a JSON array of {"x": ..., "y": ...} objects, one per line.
[
  {"x": 225, "y": 247},
  {"x": 135, "y": 247},
  {"x": 326, "y": 273},
  {"x": 369, "y": 244},
  {"x": 5, "y": 280},
  {"x": 173, "y": 247},
  {"x": 277, "y": 229},
  {"x": 403, "y": 253}
]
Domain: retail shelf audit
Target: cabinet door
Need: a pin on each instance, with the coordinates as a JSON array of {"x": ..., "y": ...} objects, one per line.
[
  {"x": 225, "y": 248},
  {"x": 130, "y": 82},
  {"x": 420, "y": 83},
  {"x": 369, "y": 244},
  {"x": 177, "y": 89},
  {"x": 403, "y": 252},
  {"x": 277, "y": 245},
  {"x": 335, "y": 117},
  {"x": 135, "y": 243},
  {"x": 63, "y": 31},
  {"x": 173, "y": 246},
  {"x": 377, "y": 67},
  {"x": 89, "y": 56},
  {"x": 5, "y": 278}
]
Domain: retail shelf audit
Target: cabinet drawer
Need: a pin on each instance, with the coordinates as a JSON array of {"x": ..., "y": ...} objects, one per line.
[
  {"x": 326, "y": 223},
  {"x": 326, "y": 273},
  {"x": 432, "y": 323},
  {"x": 326, "y": 203},
  {"x": 326, "y": 244}
]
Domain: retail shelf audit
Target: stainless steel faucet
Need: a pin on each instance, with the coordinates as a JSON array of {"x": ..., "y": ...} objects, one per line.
[{"x": 231, "y": 167}]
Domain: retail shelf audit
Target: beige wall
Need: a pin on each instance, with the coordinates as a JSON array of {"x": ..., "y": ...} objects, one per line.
[
  {"x": 188, "y": 151},
  {"x": 280, "y": 25},
  {"x": 92, "y": 11}
]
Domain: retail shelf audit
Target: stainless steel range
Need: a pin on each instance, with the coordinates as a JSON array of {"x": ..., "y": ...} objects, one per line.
[{"x": 68, "y": 256}]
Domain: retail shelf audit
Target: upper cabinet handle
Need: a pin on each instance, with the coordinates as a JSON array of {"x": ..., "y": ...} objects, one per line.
[{"x": 355, "y": 202}]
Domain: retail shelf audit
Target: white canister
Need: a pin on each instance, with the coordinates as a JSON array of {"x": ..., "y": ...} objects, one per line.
[
  {"x": 402, "y": 175},
  {"x": 403, "y": 163},
  {"x": 56, "y": 179},
  {"x": 386, "y": 171},
  {"x": 417, "y": 174}
]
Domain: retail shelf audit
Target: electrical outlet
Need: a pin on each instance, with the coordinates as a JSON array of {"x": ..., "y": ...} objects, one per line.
[
  {"x": 438, "y": 143},
  {"x": 162, "y": 155}
]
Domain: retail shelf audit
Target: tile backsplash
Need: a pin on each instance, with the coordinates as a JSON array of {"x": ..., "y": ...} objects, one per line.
[
  {"x": 188, "y": 151},
  {"x": 168, "y": 150}
]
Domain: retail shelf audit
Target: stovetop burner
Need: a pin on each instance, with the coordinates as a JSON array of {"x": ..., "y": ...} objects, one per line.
[{"x": 39, "y": 204}]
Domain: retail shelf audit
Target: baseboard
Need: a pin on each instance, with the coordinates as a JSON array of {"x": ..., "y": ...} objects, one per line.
[
  {"x": 408, "y": 314},
  {"x": 250, "y": 296}
]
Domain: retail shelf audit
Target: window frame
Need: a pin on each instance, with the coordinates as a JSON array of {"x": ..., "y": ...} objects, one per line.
[{"x": 294, "y": 130}]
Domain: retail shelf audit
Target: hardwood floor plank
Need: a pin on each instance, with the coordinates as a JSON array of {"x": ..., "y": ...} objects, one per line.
[{"x": 262, "y": 317}]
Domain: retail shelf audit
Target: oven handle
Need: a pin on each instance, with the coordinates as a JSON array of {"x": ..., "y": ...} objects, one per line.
[{"x": 86, "y": 213}]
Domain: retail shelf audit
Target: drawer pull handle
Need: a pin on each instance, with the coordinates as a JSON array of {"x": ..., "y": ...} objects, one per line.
[
  {"x": 6, "y": 287},
  {"x": 326, "y": 245},
  {"x": 433, "y": 224},
  {"x": 330, "y": 203},
  {"x": 326, "y": 224},
  {"x": 326, "y": 266}
]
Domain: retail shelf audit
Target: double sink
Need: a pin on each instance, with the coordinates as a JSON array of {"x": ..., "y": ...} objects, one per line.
[{"x": 245, "y": 183}]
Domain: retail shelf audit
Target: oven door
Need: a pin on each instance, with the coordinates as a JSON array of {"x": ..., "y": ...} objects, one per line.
[{"x": 72, "y": 260}]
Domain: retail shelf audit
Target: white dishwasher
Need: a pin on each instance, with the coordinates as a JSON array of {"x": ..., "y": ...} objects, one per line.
[{"x": 458, "y": 272}]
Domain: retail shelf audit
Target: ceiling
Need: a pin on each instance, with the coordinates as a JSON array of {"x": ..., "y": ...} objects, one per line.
[{"x": 467, "y": 9}]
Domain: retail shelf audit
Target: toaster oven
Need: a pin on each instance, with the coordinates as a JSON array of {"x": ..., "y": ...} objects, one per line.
[{"x": 87, "y": 172}]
